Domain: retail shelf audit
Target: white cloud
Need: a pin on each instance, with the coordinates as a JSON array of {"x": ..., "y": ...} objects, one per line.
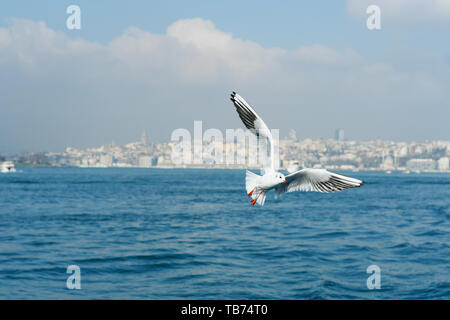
[
  {"x": 57, "y": 90},
  {"x": 404, "y": 11},
  {"x": 195, "y": 49},
  {"x": 322, "y": 54}
]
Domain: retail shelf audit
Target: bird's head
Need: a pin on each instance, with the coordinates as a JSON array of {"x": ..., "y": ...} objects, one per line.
[{"x": 280, "y": 178}]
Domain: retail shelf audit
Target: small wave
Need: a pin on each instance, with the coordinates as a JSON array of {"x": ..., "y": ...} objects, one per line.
[
  {"x": 23, "y": 182},
  {"x": 149, "y": 257},
  {"x": 430, "y": 233}
]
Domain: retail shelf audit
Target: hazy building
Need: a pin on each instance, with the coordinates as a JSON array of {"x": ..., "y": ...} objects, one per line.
[
  {"x": 387, "y": 164},
  {"x": 292, "y": 135},
  {"x": 443, "y": 164},
  {"x": 145, "y": 161},
  {"x": 421, "y": 164},
  {"x": 339, "y": 135},
  {"x": 106, "y": 160}
]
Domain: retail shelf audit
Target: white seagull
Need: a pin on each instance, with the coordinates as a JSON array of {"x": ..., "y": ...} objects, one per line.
[{"x": 307, "y": 179}]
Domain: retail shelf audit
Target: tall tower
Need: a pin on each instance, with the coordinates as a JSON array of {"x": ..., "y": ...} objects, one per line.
[
  {"x": 340, "y": 134},
  {"x": 144, "y": 138}
]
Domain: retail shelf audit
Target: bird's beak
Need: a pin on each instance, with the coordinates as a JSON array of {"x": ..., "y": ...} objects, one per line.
[{"x": 285, "y": 181}]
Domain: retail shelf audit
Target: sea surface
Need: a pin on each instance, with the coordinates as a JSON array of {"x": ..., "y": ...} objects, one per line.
[{"x": 192, "y": 234}]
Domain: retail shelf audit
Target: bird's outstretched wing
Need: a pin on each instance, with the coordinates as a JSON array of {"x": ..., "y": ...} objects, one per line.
[
  {"x": 256, "y": 125},
  {"x": 319, "y": 180}
]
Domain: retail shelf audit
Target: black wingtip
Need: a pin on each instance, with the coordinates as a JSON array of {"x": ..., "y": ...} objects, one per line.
[{"x": 360, "y": 185}]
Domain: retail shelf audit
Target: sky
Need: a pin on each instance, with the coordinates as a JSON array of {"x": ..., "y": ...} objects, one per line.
[{"x": 311, "y": 66}]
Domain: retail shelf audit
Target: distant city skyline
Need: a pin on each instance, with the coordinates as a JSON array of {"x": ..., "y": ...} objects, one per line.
[
  {"x": 144, "y": 136},
  {"x": 311, "y": 66},
  {"x": 290, "y": 153}
]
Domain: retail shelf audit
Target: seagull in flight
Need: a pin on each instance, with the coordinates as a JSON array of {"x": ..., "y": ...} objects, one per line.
[{"x": 307, "y": 179}]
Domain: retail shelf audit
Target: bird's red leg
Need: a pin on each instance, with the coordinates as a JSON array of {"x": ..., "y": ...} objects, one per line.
[
  {"x": 251, "y": 192},
  {"x": 254, "y": 200}
]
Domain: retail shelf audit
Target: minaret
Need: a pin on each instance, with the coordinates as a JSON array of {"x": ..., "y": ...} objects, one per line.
[{"x": 144, "y": 138}]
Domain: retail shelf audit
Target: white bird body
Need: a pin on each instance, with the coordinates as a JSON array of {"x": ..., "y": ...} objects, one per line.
[
  {"x": 319, "y": 180},
  {"x": 268, "y": 182}
]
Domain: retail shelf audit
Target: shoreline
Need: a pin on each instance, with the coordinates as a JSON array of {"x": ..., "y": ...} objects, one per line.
[{"x": 227, "y": 168}]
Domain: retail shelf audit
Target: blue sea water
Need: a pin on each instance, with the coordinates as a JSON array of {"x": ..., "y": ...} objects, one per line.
[{"x": 192, "y": 234}]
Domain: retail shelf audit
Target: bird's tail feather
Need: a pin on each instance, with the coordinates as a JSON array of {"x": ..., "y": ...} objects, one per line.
[
  {"x": 261, "y": 199},
  {"x": 251, "y": 181}
]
